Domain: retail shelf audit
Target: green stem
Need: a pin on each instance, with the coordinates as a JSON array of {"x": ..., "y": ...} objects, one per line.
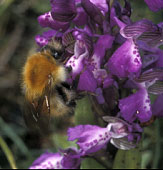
[
  {"x": 8, "y": 153},
  {"x": 157, "y": 146}
]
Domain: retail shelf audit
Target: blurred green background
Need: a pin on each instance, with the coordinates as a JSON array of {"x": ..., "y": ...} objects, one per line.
[{"x": 18, "y": 27}]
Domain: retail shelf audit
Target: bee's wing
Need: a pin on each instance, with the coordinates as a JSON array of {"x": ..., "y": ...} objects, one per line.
[{"x": 37, "y": 113}]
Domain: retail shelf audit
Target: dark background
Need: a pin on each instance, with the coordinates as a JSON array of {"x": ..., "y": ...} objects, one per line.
[{"x": 18, "y": 27}]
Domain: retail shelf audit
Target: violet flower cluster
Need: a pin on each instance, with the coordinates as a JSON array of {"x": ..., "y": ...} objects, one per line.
[{"x": 109, "y": 50}]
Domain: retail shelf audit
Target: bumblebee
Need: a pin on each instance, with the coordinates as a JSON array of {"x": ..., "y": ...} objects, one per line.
[{"x": 44, "y": 84}]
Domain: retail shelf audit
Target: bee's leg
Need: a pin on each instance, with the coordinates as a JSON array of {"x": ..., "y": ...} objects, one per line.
[{"x": 47, "y": 104}]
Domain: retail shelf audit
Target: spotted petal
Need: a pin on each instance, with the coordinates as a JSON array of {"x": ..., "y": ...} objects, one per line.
[
  {"x": 46, "y": 20},
  {"x": 136, "y": 106},
  {"x": 90, "y": 138},
  {"x": 66, "y": 159},
  {"x": 48, "y": 161},
  {"x": 126, "y": 60}
]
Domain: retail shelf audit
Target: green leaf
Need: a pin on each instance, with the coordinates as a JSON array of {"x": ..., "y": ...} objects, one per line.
[
  {"x": 60, "y": 141},
  {"x": 83, "y": 112},
  {"x": 128, "y": 159},
  {"x": 90, "y": 163},
  {"x": 10, "y": 133}
]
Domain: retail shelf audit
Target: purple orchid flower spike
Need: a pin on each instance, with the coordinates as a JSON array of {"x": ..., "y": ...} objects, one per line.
[
  {"x": 136, "y": 106},
  {"x": 63, "y": 10},
  {"x": 46, "y": 20},
  {"x": 154, "y": 5},
  {"x": 67, "y": 159}
]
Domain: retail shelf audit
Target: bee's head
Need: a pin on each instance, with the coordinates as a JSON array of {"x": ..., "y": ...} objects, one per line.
[{"x": 55, "y": 48}]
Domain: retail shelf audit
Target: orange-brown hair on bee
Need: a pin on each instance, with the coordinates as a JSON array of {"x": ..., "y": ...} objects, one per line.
[
  {"x": 37, "y": 72},
  {"x": 45, "y": 88}
]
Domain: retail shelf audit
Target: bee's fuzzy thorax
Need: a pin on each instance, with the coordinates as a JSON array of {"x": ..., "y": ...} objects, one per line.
[{"x": 36, "y": 74}]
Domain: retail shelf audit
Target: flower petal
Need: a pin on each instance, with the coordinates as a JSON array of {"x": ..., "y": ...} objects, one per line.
[
  {"x": 93, "y": 11},
  {"x": 90, "y": 138},
  {"x": 66, "y": 159},
  {"x": 81, "y": 18},
  {"x": 43, "y": 39},
  {"x": 102, "y": 5},
  {"x": 154, "y": 5},
  {"x": 71, "y": 159},
  {"x": 46, "y": 20},
  {"x": 76, "y": 61},
  {"x": 63, "y": 10},
  {"x": 100, "y": 97},
  {"x": 48, "y": 161},
  {"x": 136, "y": 106},
  {"x": 126, "y": 60},
  {"x": 87, "y": 82}
]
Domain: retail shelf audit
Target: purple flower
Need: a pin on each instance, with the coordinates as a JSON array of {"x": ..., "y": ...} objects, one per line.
[
  {"x": 46, "y": 20},
  {"x": 100, "y": 98},
  {"x": 133, "y": 136},
  {"x": 102, "y": 5},
  {"x": 94, "y": 75},
  {"x": 67, "y": 159},
  {"x": 44, "y": 39},
  {"x": 76, "y": 61},
  {"x": 93, "y": 11},
  {"x": 63, "y": 10},
  {"x": 82, "y": 50},
  {"x": 81, "y": 18},
  {"x": 136, "y": 106},
  {"x": 87, "y": 82},
  {"x": 143, "y": 30},
  {"x": 91, "y": 138},
  {"x": 103, "y": 44},
  {"x": 126, "y": 60},
  {"x": 154, "y": 5}
]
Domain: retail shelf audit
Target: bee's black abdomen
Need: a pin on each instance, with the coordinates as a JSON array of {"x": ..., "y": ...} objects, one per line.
[
  {"x": 66, "y": 85},
  {"x": 61, "y": 93}
]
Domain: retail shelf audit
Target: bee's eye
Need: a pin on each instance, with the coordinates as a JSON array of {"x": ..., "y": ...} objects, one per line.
[{"x": 56, "y": 55}]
